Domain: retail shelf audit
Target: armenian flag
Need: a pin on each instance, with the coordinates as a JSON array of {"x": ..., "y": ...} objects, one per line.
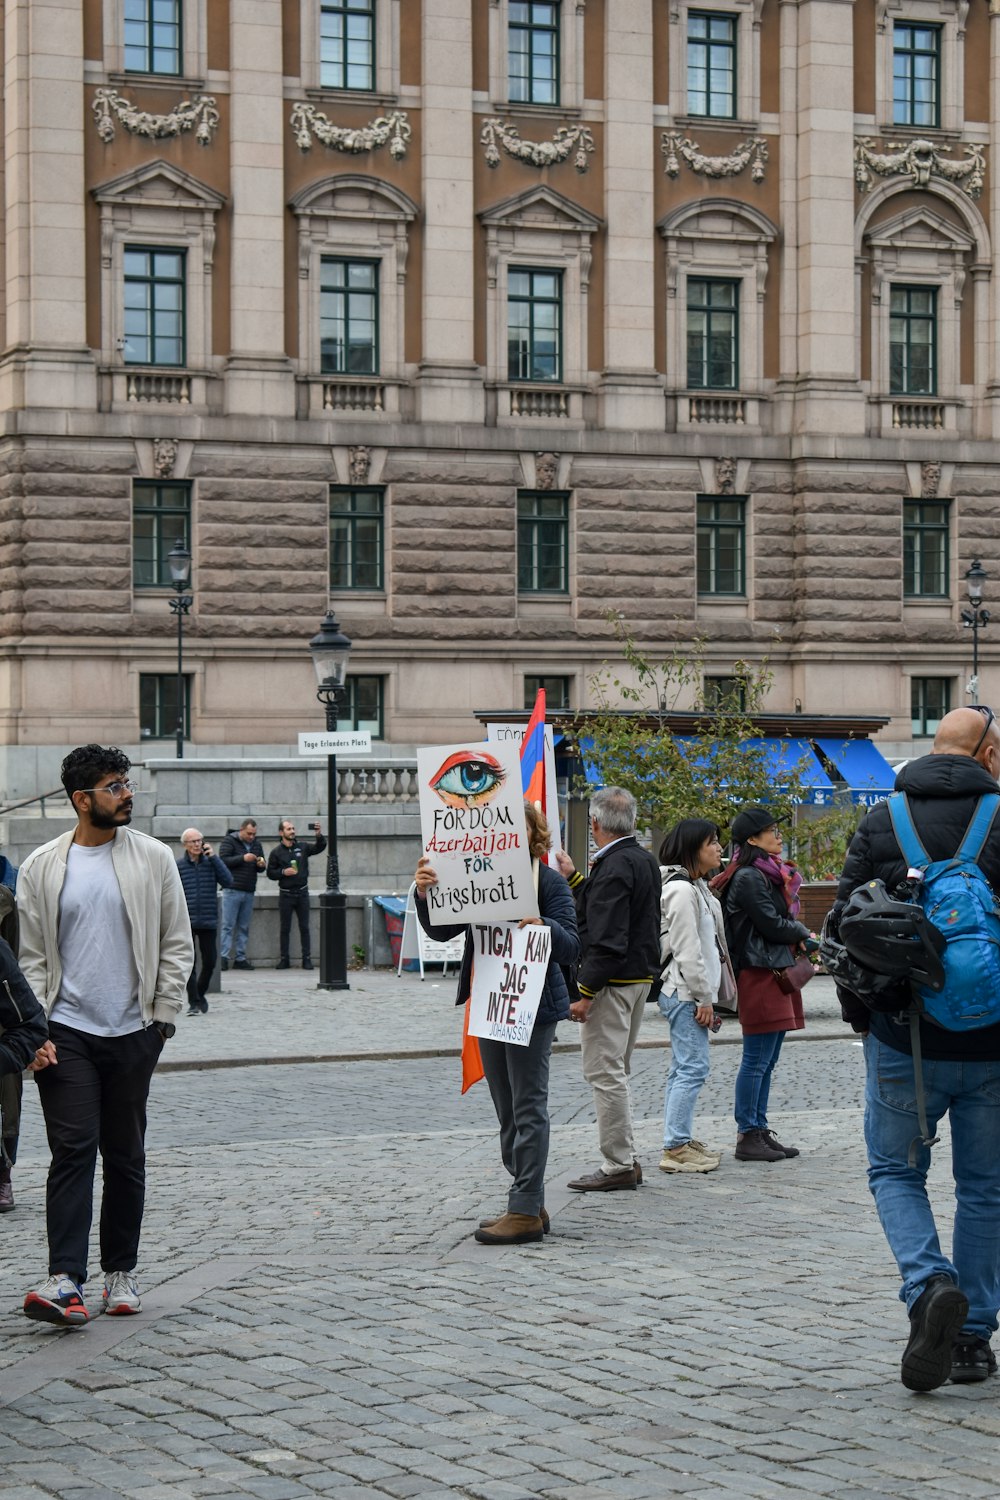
[{"x": 533, "y": 755}]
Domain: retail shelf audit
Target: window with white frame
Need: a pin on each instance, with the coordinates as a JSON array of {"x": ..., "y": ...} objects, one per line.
[
  {"x": 538, "y": 253},
  {"x": 157, "y": 250},
  {"x": 353, "y": 245},
  {"x": 920, "y": 64},
  {"x": 536, "y": 53},
  {"x": 351, "y": 46},
  {"x": 716, "y": 274},
  {"x": 713, "y": 60},
  {"x": 162, "y": 38}
]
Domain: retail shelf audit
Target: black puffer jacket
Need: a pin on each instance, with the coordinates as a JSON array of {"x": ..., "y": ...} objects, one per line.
[
  {"x": 759, "y": 932},
  {"x": 943, "y": 791},
  {"x": 618, "y": 911},
  {"x": 23, "y": 1027}
]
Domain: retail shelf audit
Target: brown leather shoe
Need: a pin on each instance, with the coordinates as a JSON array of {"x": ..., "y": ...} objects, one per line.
[
  {"x": 7, "y": 1203},
  {"x": 512, "y": 1229},
  {"x": 638, "y": 1171},
  {"x": 605, "y": 1182},
  {"x": 543, "y": 1215}
]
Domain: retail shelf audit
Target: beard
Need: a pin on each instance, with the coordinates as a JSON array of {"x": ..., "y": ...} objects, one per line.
[{"x": 116, "y": 819}]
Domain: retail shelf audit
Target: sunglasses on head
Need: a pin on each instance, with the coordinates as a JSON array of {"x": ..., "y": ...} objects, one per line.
[{"x": 989, "y": 716}]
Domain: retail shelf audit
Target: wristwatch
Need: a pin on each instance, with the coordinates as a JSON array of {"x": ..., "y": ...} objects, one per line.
[{"x": 165, "y": 1028}]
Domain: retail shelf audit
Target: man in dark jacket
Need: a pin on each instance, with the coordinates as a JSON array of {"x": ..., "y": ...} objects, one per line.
[
  {"x": 952, "y": 1303},
  {"x": 288, "y": 864},
  {"x": 242, "y": 853},
  {"x": 23, "y": 1029},
  {"x": 201, "y": 871},
  {"x": 618, "y": 915}
]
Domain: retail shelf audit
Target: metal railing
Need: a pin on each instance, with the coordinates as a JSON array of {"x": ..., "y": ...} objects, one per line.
[{"x": 40, "y": 798}]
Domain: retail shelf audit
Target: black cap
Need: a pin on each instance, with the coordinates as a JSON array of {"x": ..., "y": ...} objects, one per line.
[{"x": 753, "y": 819}]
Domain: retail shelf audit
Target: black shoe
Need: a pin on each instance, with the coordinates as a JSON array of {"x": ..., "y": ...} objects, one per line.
[
  {"x": 772, "y": 1140},
  {"x": 307, "y": 963},
  {"x": 193, "y": 1011},
  {"x": 972, "y": 1359},
  {"x": 283, "y": 964},
  {"x": 936, "y": 1320},
  {"x": 753, "y": 1145},
  {"x": 224, "y": 964},
  {"x": 204, "y": 1007},
  {"x": 242, "y": 963}
]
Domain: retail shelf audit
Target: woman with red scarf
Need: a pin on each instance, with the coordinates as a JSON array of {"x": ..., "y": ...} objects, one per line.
[{"x": 759, "y": 894}]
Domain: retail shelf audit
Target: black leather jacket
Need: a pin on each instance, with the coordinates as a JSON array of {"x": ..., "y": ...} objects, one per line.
[
  {"x": 759, "y": 932},
  {"x": 23, "y": 1027}
]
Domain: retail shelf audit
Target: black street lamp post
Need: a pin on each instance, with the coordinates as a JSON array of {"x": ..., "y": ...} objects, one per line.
[
  {"x": 975, "y": 618},
  {"x": 179, "y": 560},
  {"x": 330, "y": 650}
]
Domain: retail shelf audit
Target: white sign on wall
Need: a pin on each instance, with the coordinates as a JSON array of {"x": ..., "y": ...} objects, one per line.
[{"x": 345, "y": 742}]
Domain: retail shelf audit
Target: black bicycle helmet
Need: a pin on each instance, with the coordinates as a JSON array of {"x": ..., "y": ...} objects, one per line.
[
  {"x": 881, "y": 992},
  {"x": 892, "y": 937}
]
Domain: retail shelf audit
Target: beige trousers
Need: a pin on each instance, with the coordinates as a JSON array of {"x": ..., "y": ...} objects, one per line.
[{"x": 607, "y": 1040}]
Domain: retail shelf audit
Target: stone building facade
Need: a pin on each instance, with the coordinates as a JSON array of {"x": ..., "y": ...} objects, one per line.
[{"x": 475, "y": 319}]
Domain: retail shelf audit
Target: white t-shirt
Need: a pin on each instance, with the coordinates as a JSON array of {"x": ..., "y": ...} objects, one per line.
[{"x": 99, "y": 992}]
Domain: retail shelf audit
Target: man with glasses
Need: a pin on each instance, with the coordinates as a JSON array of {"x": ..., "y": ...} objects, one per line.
[
  {"x": 952, "y": 1303},
  {"x": 105, "y": 943}
]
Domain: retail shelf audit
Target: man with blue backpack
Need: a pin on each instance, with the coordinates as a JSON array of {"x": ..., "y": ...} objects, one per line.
[{"x": 914, "y": 944}]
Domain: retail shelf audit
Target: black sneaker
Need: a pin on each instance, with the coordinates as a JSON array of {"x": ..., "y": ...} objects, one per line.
[
  {"x": 307, "y": 963},
  {"x": 224, "y": 964},
  {"x": 283, "y": 964},
  {"x": 242, "y": 963},
  {"x": 972, "y": 1359},
  {"x": 936, "y": 1320}
]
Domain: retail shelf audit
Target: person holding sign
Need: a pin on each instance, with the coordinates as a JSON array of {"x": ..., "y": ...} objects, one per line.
[{"x": 518, "y": 1071}]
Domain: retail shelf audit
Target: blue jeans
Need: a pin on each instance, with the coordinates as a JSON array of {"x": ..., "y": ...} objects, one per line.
[
  {"x": 969, "y": 1093},
  {"x": 688, "y": 1069},
  {"x": 236, "y": 909},
  {"x": 753, "y": 1081}
]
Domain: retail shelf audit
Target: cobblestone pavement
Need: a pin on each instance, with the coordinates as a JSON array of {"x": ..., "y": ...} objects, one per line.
[{"x": 318, "y": 1321}]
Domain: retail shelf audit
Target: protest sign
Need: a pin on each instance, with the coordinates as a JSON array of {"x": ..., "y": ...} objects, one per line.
[
  {"x": 472, "y": 823},
  {"x": 508, "y": 976},
  {"x": 502, "y": 734}
]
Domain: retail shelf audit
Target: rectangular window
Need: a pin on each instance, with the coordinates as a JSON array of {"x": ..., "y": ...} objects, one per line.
[
  {"x": 722, "y": 544},
  {"x": 356, "y": 538},
  {"x": 925, "y": 549},
  {"x": 347, "y": 44},
  {"x": 534, "y": 325},
  {"x": 557, "y": 691},
  {"x": 161, "y": 516},
  {"x": 153, "y": 36},
  {"x": 726, "y": 693},
  {"x": 365, "y": 705},
  {"x": 930, "y": 700},
  {"x": 158, "y": 706},
  {"x": 916, "y": 74},
  {"x": 154, "y": 306},
  {"x": 912, "y": 341},
  {"x": 712, "y": 335},
  {"x": 533, "y": 52},
  {"x": 711, "y": 64},
  {"x": 349, "y": 317},
  {"x": 542, "y": 543}
]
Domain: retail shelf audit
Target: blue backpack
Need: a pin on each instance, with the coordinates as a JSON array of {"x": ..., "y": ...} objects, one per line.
[{"x": 956, "y": 898}]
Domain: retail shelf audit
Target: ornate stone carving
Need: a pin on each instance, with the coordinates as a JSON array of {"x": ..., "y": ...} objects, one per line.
[
  {"x": 359, "y": 461},
  {"x": 930, "y": 480},
  {"x": 567, "y": 139},
  {"x": 198, "y": 114},
  {"x": 546, "y": 471},
  {"x": 164, "y": 457},
  {"x": 752, "y": 153},
  {"x": 725, "y": 476},
  {"x": 392, "y": 130},
  {"x": 919, "y": 160}
]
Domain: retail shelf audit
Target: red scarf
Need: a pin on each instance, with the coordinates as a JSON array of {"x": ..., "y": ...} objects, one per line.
[{"x": 781, "y": 873}]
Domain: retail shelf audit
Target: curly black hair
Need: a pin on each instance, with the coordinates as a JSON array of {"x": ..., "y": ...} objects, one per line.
[{"x": 84, "y": 766}]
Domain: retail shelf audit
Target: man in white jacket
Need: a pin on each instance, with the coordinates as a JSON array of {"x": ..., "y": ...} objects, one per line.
[{"x": 105, "y": 943}]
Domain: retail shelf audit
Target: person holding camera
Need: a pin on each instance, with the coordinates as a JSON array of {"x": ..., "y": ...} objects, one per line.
[
  {"x": 242, "y": 853},
  {"x": 201, "y": 871},
  {"x": 288, "y": 864}
]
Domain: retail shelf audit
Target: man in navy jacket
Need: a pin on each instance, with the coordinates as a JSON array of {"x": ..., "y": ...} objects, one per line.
[{"x": 201, "y": 871}]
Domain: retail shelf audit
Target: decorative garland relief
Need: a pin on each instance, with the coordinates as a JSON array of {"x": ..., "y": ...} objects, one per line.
[
  {"x": 920, "y": 160},
  {"x": 198, "y": 114},
  {"x": 393, "y": 130},
  {"x": 567, "y": 140},
  {"x": 678, "y": 148}
]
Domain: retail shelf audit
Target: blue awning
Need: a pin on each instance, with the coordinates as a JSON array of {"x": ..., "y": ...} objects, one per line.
[
  {"x": 863, "y": 766},
  {"x": 782, "y": 755}
]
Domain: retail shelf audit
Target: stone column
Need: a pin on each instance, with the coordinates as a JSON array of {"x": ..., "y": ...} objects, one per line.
[
  {"x": 47, "y": 362},
  {"x": 631, "y": 391},
  {"x": 451, "y": 387},
  {"x": 828, "y": 393},
  {"x": 259, "y": 376}
]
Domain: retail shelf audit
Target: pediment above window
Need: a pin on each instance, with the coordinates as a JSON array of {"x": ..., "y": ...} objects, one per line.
[
  {"x": 159, "y": 184},
  {"x": 540, "y": 207},
  {"x": 920, "y": 228},
  {"x": 718, "y": 219},
  {"x": 353, "y": 197}
]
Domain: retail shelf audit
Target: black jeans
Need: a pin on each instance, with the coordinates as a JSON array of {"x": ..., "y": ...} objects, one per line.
[
  {"x": 94, "y": 1099},
  {"x": 205, "y": 937},
  {"x": 297, "y": 902}
]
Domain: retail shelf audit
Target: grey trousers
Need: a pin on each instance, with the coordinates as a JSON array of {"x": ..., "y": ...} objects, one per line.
[{"x": 518, "y": 1079}]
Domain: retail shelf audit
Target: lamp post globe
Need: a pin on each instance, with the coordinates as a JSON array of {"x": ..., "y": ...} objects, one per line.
[{"x": 330, "y": 650}]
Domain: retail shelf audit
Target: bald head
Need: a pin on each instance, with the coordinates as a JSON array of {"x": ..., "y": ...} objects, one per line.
[{"x": 962, "y": 733}]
